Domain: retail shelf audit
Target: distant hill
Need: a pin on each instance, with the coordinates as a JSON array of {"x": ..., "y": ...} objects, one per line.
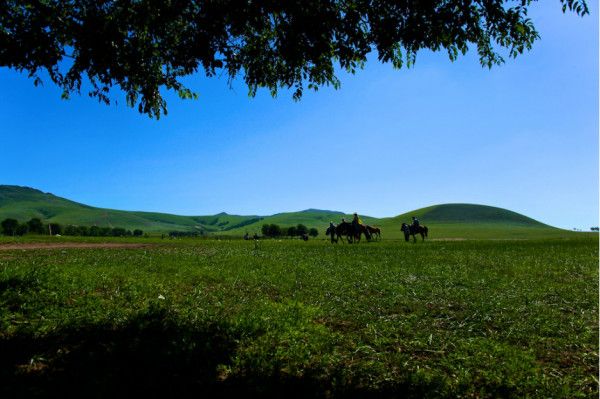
[
  {"x": 469, "y": 213},
  {"x": 473, "y": 221},
  {"x": 311, "y": 218},
  {"x": 445, "y": 221},
  {"x": 24, "y": 203}
]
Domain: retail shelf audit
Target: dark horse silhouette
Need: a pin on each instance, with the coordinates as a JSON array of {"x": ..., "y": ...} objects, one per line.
[
  {"x": 348, "y": 230},
  {"x": 332, "y": 232},
  {"x": 409, "y": 230},
  {"x": 375, "y": 231}
]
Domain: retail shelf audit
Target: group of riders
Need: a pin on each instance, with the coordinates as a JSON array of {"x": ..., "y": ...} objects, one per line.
[{"x": 353, "y": 230}]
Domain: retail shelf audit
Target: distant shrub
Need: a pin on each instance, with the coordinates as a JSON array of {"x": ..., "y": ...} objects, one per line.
[
  {"x": 271, "y": 230},
  {"x": 71, "y": 230},
  {"x": 301, "y": 230},
  {"x": 265, "y": 230},
  {"x": 105, "y": 232},
  {"x": 9, "y": 226},
  {"x": 95, "y": 231},
  {"x": 137, "y": 233},
  {"x": 55, "y": 228},
  {"x": 313, "y": 232},
  {"x": 275, "y": 230},
  {"x": 118, "y": 232},
  {"x": 292, "y": 231},
  {"x": 22, "y": 229},
  {"x": 36, "y": 226},
  {"x": 174, "y": 234}
]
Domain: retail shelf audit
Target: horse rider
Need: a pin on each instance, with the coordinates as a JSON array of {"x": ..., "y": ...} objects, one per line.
[
  {"x": 356, "y": 222},
  {"x": 415, "y": 223}
]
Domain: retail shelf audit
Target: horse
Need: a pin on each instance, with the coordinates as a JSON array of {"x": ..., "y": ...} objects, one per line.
[
  {"x": 409, "y": 230},
  {"x": 346, "y": 229},
  {"x": 331, "y": 232},
  {"x": 374, "y": 231},
  {"x": 362, "y": 229}
]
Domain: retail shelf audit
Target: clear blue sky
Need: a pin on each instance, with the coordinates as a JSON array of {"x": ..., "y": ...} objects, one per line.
[{"x": 523, "y": 136}]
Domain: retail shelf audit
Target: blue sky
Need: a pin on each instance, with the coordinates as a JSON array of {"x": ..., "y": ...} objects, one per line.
[{"x": 522, "y": 136}]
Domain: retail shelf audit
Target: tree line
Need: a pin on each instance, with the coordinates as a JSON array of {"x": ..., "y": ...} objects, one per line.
[
  {"x": 274, "y": 230},
  {"x": 12, "y": 227}
]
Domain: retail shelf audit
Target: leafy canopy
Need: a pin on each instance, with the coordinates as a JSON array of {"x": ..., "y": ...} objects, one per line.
[{"x": 145, "y": 47}]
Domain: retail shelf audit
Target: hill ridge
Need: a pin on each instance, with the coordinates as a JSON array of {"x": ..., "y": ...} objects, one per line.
[
  {"x": 469, "y": 213},
  {"x": 23, "y": 203}
]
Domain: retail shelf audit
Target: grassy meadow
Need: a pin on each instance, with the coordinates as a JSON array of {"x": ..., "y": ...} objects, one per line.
[{"x": 456, "y": 318}]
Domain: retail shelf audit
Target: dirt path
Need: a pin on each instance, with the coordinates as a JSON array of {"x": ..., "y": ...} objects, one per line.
[{"x": 66, "y": 245}]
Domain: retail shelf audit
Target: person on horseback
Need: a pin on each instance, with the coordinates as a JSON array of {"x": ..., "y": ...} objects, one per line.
[
  {"x": 415, "y": 223},
  {"x": 356, "y": 223}
]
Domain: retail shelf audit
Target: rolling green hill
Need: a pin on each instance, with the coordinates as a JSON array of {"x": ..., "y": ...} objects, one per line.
[
  {"x": 24, "y": 203},
  {"x": 311, "y": 217},
  {"x": 445, "y": 221},
  {"x": 469, "y": 213},
  {"x": 470, "y": 221}
]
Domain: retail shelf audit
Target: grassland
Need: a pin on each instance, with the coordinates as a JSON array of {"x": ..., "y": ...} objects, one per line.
[
  {"x": 509, "y": 318},
  {"x": 455, "y": 221}
]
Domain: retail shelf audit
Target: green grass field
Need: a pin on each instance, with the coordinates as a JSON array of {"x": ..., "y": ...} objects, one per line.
[{"x": 472, "y": 318}]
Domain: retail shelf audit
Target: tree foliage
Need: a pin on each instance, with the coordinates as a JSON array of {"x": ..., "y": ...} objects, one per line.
[
  {"x": 36, "y": 226},
  {"x": 291, "y": 231},
  {"x": 9, "y": 226},
  {"x": 144, "y": 47},
  {"x": 22, "y": 229},
  {"x": 301, "y": 229},
  {"x": 55, "y": 228},
  {"x": 271, "y": 230}
]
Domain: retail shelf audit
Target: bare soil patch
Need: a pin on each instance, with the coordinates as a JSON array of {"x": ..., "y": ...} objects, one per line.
[{"x": 66, "y": 245}]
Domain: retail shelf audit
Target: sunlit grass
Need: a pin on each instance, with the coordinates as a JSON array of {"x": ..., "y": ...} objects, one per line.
[{"x": 456, "y": 318}]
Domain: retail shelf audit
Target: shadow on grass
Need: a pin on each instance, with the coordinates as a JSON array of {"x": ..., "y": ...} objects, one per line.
[{"x": 153, "y": 356}]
